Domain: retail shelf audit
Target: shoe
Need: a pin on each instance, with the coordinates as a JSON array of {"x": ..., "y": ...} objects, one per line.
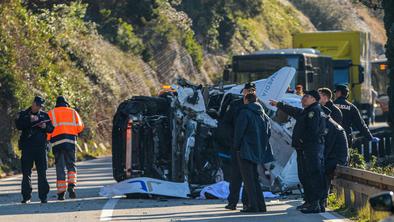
[
  {"x": 250, "y": 210},
  {"x": 312, "y": 209},
  {"x": 26, "y": 201},
  {"x": 44, "y": 201},
  {"x": 302, "y": 206},
  {"x": 230, "y": 207},
  {"x": 71, "y": 192},
  {"x": 60, "y": 196}
]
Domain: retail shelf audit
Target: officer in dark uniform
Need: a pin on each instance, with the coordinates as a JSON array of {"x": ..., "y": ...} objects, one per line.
[
  {"x": 308, "y": 138},
  {"x": 326, "y": 100},
  {"x": 34, "y": 124},
  {"x": 351, "y": 115},
  {"x": 335, "y": 152},
  {"x": 229, "y": 119}
]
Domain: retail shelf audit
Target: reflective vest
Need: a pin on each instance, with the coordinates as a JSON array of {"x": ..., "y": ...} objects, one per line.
[{"x": 66, "y": 122}]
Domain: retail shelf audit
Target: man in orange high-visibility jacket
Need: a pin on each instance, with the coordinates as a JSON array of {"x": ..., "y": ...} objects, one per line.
[{"x": 63, "y": 139}]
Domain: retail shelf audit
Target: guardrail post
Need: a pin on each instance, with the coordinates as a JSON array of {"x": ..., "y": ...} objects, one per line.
[
  {"x": 375, "y": 149},
  {"x": 381, "y": 149},
  {"x": 348, "y": 199},
  {"x": 360, "y": 200}
]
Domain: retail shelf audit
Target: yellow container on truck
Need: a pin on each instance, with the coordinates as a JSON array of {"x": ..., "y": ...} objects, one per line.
[{"x": 350, "y": 51}]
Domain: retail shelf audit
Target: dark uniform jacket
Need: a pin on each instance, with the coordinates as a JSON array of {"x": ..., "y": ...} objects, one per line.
[
  {"x": 232, "y": 112},
  {"x": 336, "y": 145},
  {"x": 310, "y": 124},
  {"x": 225, "y": 129},
  {"x": 336, "y": 113},
  {"x": 352, "y": 118},
  {"x": 252, "y": 133},
  {"x": 33, "y": 137}
]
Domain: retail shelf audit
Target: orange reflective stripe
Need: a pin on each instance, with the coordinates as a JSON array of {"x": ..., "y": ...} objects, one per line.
[
  {"x": 72, "y": 177},
  {"x": 61, "y": 186}
]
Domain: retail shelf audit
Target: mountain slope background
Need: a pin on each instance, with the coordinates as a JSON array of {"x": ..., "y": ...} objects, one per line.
[{"x": 98, "y": 53}]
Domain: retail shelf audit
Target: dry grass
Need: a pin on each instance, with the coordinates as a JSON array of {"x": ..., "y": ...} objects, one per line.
[{"x": 364, "y": 214}]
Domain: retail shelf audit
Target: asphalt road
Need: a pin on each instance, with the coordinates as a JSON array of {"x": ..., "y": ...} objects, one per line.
[{"x": 89, "y": 206}]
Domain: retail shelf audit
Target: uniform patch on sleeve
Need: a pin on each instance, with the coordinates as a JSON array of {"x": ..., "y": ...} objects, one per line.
[{"x": 311, "y": 114}]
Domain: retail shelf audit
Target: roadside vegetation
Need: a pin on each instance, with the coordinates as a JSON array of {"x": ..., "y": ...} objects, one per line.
[{"x": 365, "y": 214}]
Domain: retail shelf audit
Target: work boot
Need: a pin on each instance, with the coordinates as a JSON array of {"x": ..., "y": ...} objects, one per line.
[
  {"x": 231, "y": 207},
  {"x": 313, "y": 208},
  {"x": 25, "y": 201},
  {"x": 60, "y": 196},
  {"x": 302, "y": 206},
  {"x": 71, "y": 192}
]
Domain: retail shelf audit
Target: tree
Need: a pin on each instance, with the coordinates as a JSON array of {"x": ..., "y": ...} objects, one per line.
[{"x": 388, "y": 8}]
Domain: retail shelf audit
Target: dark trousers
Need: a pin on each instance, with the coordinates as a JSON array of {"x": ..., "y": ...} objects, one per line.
[
  {"x": 313, "y": 166},
  {"x": 252, "y": 186},
  {"x": 301, "y": 173},
  {"x": 235, "y": 182},
  {"x": 65, "y": 158},
  {"x": 328, "y": 178},
  {"x": 37, "y": 156}
]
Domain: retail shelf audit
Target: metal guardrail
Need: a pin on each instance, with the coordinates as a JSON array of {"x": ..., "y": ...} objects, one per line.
[
  {"x": 358, "y": 185},
  {"x": 382, "y": 149}
]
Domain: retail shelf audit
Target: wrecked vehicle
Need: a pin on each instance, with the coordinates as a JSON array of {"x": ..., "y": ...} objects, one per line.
[{"x": 177, "y": 136}]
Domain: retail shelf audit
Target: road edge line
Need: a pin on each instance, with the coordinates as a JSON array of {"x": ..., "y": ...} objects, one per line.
[
  {"x": 106, "y": 212},
  {"x": 331, "y": 216}
]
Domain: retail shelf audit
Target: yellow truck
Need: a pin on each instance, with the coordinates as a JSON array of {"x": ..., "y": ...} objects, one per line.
[{"x": 350, "y": 51}]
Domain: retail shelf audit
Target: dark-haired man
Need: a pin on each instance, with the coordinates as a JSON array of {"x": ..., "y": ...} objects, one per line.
[
  {"x": 335, "y": 152},
  {"x": 326, "y": 100},
  {"x": 34, "y": 124},
  {"x": 251, "y": 140}
]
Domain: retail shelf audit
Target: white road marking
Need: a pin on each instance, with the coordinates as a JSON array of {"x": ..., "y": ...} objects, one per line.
[
  {"x": 106, "y": 212},
  {"x": 331, "y": 217}
]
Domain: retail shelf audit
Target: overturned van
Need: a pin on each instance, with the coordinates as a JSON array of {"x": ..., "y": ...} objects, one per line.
[{"x": 175, "y": 136}]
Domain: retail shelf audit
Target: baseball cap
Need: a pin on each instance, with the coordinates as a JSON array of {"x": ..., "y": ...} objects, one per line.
[
  {"x": 314, "y": 94},
  {"x": 39, "y": 101},
  {"x": 249, "y": 85}
]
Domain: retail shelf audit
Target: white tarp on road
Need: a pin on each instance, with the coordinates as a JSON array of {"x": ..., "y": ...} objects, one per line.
[
  {"x": 146, "y": 185},
  {"x": 221, "y": 191}
]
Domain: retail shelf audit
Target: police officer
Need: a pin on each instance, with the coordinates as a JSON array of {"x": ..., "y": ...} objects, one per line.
[
  {"x": 335, "y": 152},
  {"x": 229, "y": 119},
  {"x": 34, "y": 124},
  {"x": 351, "y": 115},
  {"x": 326, "y": 101},
  {"x": 308, "y": 139}
]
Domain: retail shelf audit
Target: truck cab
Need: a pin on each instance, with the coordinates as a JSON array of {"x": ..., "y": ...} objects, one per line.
[
  {"x": 350, "y": 51},
  {"x": 313, "y": 70}
]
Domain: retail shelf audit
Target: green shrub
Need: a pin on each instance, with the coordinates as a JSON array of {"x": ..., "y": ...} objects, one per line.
[
  {"x": 126, "y": 39},
  {"x": 193, "y": 48}
]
